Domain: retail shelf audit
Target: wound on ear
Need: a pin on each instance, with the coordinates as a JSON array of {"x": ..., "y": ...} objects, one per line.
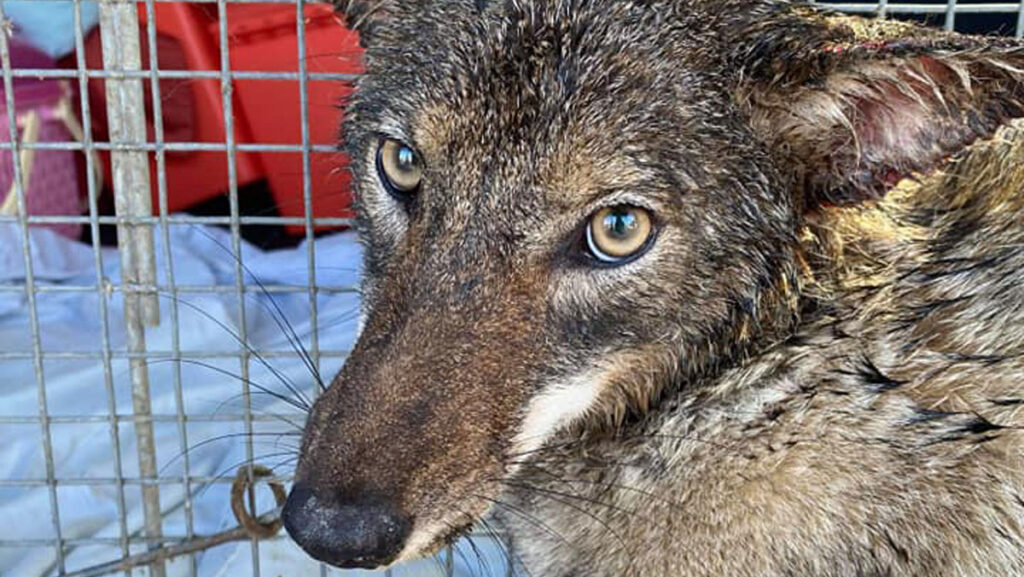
[{"x": 876, "y": 111}]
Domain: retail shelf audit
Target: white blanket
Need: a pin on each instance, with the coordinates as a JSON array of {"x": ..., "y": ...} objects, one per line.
[{"x": 70, "y": 322}]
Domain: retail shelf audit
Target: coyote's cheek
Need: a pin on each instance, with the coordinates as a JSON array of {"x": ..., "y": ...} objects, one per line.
[
  {"x": 553, "y": 407},
  {"x": 439, "y": 407},
  {"x": 408, "y": 446},
  {"x": 465, "y": 367}
]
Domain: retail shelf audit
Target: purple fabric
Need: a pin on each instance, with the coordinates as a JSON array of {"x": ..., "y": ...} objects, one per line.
[{"x": 53, "y": 178}]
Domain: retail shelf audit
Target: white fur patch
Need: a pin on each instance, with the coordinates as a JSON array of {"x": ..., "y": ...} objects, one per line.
[
  {"x": 557, "y": 406},
  {"x": 361, "y": 323},
  {"x": 419, "y": 540}
]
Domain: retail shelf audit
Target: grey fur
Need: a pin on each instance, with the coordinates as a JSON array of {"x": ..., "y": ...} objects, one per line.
[{"x": 818, "y": 367}]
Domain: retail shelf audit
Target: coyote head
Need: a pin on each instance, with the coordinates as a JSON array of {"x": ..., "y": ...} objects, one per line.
[{"x": 570, "y": 205}]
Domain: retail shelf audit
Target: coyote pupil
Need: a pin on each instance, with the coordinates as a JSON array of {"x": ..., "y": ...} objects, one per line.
[{"x": 679, "y": 288}]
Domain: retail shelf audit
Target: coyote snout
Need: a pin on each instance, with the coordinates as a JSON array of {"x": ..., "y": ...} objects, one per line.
[
  {"x": 426, "y": 410},
  {"x": 345, "y": 530},
  {"x": 679, "y": 288}
]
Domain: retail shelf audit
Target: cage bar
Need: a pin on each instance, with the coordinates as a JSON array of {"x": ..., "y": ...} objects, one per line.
[
  {"x": 126, "y": 118},
  {"x": 172, "y": 289},
  {"x": 244, "y": 352},
  {"x": 30, "y": 292},
  {"x": 885, "y": 8},
  {"x": 104, "y": 314}
]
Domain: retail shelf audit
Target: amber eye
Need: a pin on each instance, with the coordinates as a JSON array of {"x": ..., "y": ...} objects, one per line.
[
  {"x": 399, "y": 167},
  {"x": 617, "y": 233}
]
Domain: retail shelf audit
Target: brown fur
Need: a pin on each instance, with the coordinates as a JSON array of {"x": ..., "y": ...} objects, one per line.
[
  {"x": 816, "y": 369},
  {"x": 882, "y": 439}
]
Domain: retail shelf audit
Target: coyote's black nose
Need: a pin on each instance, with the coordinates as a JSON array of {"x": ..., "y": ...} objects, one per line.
[{"x": 352, "y": 533}]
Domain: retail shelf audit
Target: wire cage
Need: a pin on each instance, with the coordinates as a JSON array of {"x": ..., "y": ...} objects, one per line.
[{"x": 127, "y": 367}]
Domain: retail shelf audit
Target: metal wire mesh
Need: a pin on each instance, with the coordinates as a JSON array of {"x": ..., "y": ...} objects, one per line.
[{"x": 150, "y": 294}]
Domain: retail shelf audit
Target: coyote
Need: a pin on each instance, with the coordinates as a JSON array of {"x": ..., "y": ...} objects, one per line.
[{"x": 679, "y": 288}]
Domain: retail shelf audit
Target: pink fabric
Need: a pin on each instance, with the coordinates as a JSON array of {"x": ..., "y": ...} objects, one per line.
[{"x": 54, "y": 188}]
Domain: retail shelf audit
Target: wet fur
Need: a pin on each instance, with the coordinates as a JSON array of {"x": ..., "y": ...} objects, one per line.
[
  {"x": 882, "y": 438},
  {"x": 817, "y": 370}
]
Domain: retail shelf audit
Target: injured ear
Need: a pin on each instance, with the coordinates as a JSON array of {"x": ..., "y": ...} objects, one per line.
[{"x": 875, "y": 111}]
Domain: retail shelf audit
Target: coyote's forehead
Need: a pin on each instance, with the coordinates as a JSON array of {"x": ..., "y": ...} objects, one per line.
[
  {"x": 541, "y": 99},
  {"x": 530, "y": 56}
]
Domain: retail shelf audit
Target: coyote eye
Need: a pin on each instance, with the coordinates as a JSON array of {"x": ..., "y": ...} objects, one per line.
[
  {"x": 399, "y": 167},
  {"x": 618, "y": 233}
]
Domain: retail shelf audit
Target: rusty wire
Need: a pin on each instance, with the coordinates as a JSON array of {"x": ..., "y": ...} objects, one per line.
[{"x": 249, "y": 527}]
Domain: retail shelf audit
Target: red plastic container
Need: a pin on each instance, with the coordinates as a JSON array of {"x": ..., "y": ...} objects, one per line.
[
  {"x": 263, "y": 37},
  {"x": 192, "y": 108}
]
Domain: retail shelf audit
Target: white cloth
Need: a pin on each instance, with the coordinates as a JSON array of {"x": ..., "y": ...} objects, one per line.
[{"x": 70, "y": 322}]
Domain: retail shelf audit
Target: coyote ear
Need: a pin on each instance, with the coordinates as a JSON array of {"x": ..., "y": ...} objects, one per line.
[
  {"x": 369, "y": 17},
  {"x": 852, "y": 106}
]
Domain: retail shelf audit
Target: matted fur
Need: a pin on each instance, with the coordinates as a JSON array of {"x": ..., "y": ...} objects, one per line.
[{"x": 816, "y": 370}]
